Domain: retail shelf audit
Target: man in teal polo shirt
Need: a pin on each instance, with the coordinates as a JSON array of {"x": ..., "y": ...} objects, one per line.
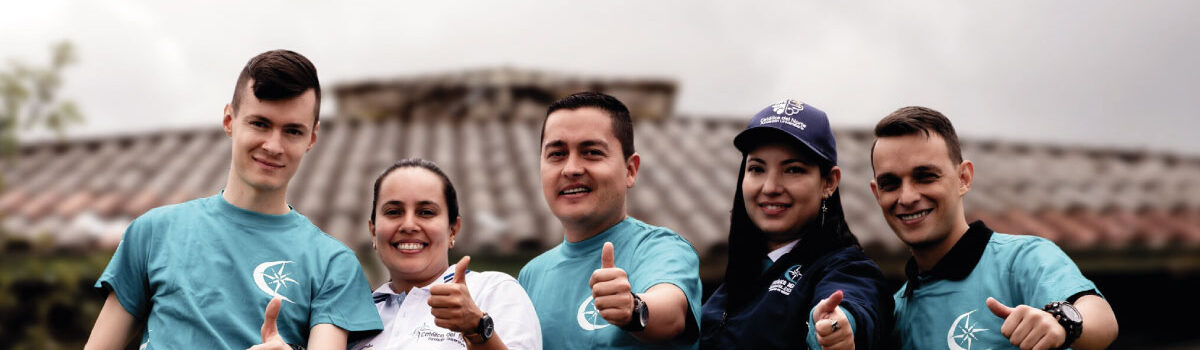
[
  {"x": 968, "y": 287},
  {"x": 615, "y": 282}
]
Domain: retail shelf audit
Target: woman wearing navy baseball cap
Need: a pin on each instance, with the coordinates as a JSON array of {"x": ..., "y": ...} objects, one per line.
[{"x": 793, "y": 261}]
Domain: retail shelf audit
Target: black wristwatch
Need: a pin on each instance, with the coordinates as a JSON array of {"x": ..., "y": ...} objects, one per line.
[
  {"x": 1068, "y": 317},
  {"x": 295, "y": 346},
  {"x": 640, "y": 316},
  {"x": 483, "y": 331}
]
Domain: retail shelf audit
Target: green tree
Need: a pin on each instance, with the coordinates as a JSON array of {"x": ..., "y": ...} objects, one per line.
[{"x": 29, "y": 99}]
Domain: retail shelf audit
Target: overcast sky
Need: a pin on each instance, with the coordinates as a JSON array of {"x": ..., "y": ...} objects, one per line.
[{"x": 1101, "y": 73}]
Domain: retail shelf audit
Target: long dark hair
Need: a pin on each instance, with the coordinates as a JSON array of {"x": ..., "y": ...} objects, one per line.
[{"x": 748, "y": 243}]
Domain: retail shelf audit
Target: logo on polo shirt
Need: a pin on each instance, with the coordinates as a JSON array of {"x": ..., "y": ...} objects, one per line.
[
  {"x": 964, "y": 333},
  {"x": 788, "y": 281},
  {"x": 427, "y": 333},
  {"x": 588, "y": 317},
  {"x": 271, "y": 278}
]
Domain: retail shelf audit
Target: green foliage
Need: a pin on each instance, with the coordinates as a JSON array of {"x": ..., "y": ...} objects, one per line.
[
  {"x": 47, "y": 301},
  {"x": 29, "y": 98}
]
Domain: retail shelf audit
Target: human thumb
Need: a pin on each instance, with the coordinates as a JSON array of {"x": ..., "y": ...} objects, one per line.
[
  {"x": 606, "y": 256},
  {"x": 827, "y": 306},
  {"x": 997, "y": 308},
  {"x": 460, "y": 270},
  {"x": 268, "y": 327}
]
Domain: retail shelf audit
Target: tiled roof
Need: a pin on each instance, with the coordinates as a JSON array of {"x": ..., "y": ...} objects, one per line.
[{"x": 82, "y": 193}]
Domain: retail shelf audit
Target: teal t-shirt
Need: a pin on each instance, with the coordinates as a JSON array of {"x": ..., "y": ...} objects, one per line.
[
  {"x": 199, "y": 275},
  {"x": 945, "y": 313},
  {"x": 557, "y": 283}
]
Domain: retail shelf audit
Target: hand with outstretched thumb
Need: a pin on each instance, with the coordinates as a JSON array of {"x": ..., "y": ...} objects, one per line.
[
  {"x": 460, "y": 270},
  {"x": 451, "y": 303},
  {"x": 827, "y": 306},
  {"x": 998, "y": 309},
  {"x": 831, "y": 325},
  {"x": 1027, "y": 327},
  {"x": 270, "y": 334},
  {"x": 606, "y": 256},
  {"x": 611, "y": 292}
]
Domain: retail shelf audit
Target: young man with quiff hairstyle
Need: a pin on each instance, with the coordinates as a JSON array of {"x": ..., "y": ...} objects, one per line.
[{"x": 978, "y": 288}]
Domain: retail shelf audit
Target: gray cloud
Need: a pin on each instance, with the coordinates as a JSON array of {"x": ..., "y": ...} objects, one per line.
[{"x": 1075, "y": 72}]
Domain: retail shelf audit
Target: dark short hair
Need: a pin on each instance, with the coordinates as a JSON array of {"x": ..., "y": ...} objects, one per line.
[
  {"x": 622, "y": 123},
  {"x": 447, "y": 188},
  {"x": 279, "y": 75},
  {"x": 915, "y": 119}
]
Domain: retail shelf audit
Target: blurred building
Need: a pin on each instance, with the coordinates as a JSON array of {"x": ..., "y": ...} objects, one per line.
[{"x": 1114, "y": 210}]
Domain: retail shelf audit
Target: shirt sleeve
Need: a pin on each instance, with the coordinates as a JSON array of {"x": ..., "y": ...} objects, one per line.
[
  {"x": 863, "y": 299},
  {"x": 512, "y": 313},
  {"x": 125, "y": 274},
  {"x": 344, "y": 299},
  {"x": 1046, "y": 274},
  {"x": 667, "y": 258}
]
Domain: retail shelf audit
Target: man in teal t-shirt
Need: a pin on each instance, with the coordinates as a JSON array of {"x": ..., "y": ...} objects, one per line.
[
  {"x": 199, "y": 275},
  {"x": 615, "y": 282},
  {"x": 968, "y": 287}
]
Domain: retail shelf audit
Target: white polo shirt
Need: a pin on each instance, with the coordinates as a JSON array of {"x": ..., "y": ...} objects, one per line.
[{"x": 408, "y": 321}]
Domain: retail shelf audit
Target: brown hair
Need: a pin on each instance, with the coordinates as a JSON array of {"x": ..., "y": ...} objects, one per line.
[
  {"x": 622, "y": 123},
  {"x": 913, "y": 119},
  {"x": 279, "y": 75}
]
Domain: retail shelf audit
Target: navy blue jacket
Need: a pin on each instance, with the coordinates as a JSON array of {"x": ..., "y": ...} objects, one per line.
[{"x": 777, "y": 318}]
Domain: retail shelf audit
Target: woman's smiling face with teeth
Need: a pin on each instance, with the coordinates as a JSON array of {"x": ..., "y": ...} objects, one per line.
[
  {"x": 782, "y": 190},
  {"x": 412, "y": 230}
]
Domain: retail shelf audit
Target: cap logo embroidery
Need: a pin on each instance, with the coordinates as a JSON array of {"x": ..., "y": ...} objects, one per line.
[
  {"x": 782, "y": 119},
  {"x": 787, "y": 107}
]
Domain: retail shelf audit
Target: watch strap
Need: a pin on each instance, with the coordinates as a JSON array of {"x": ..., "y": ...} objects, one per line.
[
  {"x": 1073, "y": 328},
  {"x": 636, "y": 317},
  {"x": 483, "y": 331}
]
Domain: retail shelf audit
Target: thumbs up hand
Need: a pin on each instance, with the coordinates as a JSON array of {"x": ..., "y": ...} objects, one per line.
[
  {"x": 452, "y": 305},
  {"x": 831, "y": 325},
  {"x": 611, "y": 292},
  {"x": 1028, "y": 327},
  {"x": 270, "y": 334}
]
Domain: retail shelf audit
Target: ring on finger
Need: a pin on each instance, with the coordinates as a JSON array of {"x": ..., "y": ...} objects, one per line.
[{"x": 835, "y": 325}]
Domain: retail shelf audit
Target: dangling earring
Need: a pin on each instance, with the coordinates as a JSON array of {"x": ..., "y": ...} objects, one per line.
[{"x": 824, "y": 209}]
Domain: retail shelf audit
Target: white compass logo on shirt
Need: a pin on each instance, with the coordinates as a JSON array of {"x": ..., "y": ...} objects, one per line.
[
  {"x": 588, "y": 317},
  {"x": 964, "y": 333},
  {"x": 270, "y": 277}
]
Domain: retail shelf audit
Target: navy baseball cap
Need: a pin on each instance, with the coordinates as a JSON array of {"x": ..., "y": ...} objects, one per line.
[{"x": 801, "y": 121}]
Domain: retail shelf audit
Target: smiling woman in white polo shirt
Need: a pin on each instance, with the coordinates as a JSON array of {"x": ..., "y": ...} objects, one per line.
[{"x": 429, "y": 304}]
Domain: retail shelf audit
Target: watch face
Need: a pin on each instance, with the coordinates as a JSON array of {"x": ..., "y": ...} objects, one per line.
[
  {"x": 487, "y": 328},
  {"x": 1069, "y": 312},
  {"x": 644, "y": 314}
]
